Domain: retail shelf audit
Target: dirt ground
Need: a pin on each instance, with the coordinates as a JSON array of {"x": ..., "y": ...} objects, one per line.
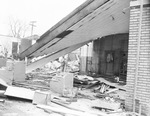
[
  {"x": 15, "y": 107},
  {"x": 20, "y": 107},
  {"x": 85, "y": 100}
]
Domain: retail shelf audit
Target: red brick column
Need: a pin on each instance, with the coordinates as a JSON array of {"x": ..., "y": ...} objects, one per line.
[{"x": 138, "y": 75}]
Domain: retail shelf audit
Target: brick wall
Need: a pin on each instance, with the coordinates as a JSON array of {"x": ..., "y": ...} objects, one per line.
[{"x": 140, "y": 69}]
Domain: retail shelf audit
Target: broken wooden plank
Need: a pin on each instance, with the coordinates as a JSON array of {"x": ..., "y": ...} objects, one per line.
[
  {"x": 107, "y": 104},
  {"x": 60, "y": 100},
  {"x": 111, "y": 84},
  {"x": 68, "y": 111},
  {"x": 21, "y": 84},
  {"x": 112, "y": 90},
  {"x": 60, "y": 110},
  {"x": 19, "y": 92},
  {"x": 66, "y": 106},
  {"x": 97, "y": 83},
  {"x": 101, "y": 108}
]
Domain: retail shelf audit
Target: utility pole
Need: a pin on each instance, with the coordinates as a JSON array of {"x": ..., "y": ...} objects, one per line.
[{"x": 32, "y": 23}]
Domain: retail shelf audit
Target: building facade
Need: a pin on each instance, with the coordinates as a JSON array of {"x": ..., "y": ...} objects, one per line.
[
  {"x": 111, "y": 53},
  {"x": 138, "y": 71}
]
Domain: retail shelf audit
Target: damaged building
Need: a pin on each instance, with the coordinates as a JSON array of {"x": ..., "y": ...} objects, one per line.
[
  {"x": 114, "y": 41},
  {"x": 107, "y": 56}
]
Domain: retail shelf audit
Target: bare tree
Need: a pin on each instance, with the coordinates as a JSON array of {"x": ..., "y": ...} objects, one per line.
[{"x": 18, "y": 28}]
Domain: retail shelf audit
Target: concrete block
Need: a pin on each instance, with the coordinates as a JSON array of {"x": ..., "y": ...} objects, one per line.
[
  {"x": 2, "y": 62},
  {"x": 19, "y": 92},
  {"x": 62, "y": 83},
  {"x": 19, "y": 71},
  {"x": 15, "y": 70},
  {"x": 9, "y": 65},
  {"x": 6, "y": 75},
  {"x": 41, "y": 97}
]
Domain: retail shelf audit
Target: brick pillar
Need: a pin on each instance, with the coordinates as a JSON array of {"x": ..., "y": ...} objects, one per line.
[{"x": 138, "y": 75}]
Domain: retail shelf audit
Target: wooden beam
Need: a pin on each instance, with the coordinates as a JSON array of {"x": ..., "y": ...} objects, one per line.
[
  {"x": 52, "y": 57},
  {"x": 91, "y": 27},
  {"x": 78, "y": 14},
  {"x": 79, "y": 31},
  {"x": 69, "y": 111}
]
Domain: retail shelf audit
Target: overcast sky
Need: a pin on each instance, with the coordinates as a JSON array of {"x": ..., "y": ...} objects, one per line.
[{"x": 46, "y": 13}]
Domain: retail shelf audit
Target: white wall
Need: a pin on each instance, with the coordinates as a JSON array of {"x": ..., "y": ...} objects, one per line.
[{"x": 6, "y": 42}]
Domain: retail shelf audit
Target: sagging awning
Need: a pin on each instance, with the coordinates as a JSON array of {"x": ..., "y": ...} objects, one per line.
[{"x": 92, "y": 20}]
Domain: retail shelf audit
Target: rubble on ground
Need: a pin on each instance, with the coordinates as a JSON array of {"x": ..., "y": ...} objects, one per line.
[{"x": 54, "y": 90}]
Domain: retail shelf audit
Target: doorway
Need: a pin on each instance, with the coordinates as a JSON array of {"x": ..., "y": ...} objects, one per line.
[{"x": 109, "y": 60}]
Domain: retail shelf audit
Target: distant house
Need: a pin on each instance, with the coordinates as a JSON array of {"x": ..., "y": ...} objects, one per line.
[
  {"x": 9, "y": 45},
  {"x": 27, "y": 42}
]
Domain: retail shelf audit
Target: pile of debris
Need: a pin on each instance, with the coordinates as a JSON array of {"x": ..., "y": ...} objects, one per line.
[
  {"x": 68, "y": 63},
  {"x": 63, "y": 92}
]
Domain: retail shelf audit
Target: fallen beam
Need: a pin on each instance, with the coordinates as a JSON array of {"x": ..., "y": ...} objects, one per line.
[
  {"x": 66, "y": 106},
  {"x": 112, "y": 90},
  {"x": 31, "y": 86},
  {"x": 78, "y": 14},
  {"x": 52, "y": 57},
  {"x": 68, "y": 111},
  {"x": 111, "y": 84},
  {"x": 82, "y": 31}
]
